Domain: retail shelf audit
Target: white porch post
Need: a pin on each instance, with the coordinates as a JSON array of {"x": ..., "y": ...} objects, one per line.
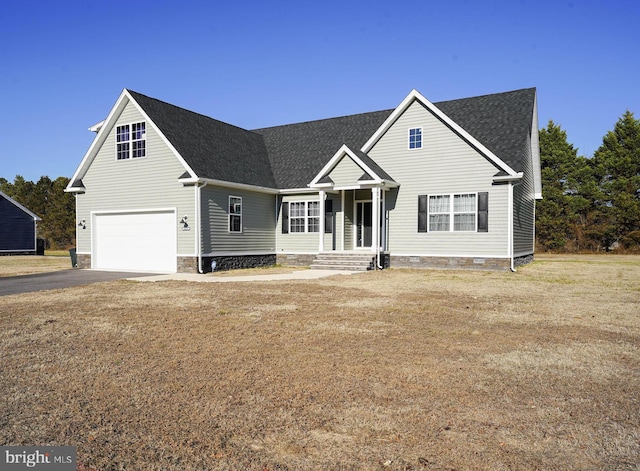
[
  {"x": 383, "y": 235},
  {"x": 344, "y": 219},
  {"x": 321, "y": 242},
  {"x": 375, "y": 219}
]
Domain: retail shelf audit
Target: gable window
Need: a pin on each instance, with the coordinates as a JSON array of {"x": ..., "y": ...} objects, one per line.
[
  {"x": 235, "y": 214},
  {"x": 304, "y": 216},
  {"x": 415, "y": 138},
  {"x": 462, "y": 212},
  {"x": 131, "y": 141}
]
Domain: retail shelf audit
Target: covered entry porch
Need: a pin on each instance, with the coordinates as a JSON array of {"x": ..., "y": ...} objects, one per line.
[{"x": 353, "y": 193}]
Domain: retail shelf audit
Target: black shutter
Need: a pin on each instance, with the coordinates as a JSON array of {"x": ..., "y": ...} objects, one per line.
[
  {"x": 285, "y": 218},
  {"x": 483, "y": 212},
  {"x": 328, "y": 216},
  {"x": 422, "y": 213}
]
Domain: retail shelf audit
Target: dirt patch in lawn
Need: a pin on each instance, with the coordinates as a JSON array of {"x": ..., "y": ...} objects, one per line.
[{"x": 391, "y": 370}]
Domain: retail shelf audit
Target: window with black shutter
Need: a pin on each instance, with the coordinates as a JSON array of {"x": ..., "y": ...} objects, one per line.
[
  {"x": 285, "y": 218},
  {"x": 483, "y": 212},
  {"x": 328, "y": 216},
  {"x": 422, "y": 213}
]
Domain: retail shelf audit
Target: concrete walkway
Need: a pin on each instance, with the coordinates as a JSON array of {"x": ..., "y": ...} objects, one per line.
[{"x": 213, "y": 278}]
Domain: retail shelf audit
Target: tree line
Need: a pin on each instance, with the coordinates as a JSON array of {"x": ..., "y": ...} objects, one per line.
[
  {"x": 589, "y": 204},
  {"x": 46, "y": 199}
]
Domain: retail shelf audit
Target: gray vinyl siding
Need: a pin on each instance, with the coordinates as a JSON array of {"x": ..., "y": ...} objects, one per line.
[
  {"x": 258, "y": 222},
  {"x": 346, "y": 173},
  {"x": 297, "y": 242},
  {"x": 349, "y": 220},
  {"x": 446, "y": 164},
  {"x": 332, "y": 240},
  {"x": 524, "y": 213},
  {"x": 139, "y": 184}
]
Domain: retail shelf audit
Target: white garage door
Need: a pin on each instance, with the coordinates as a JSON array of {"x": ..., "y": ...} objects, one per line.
[{"x": 144, "y": 241}]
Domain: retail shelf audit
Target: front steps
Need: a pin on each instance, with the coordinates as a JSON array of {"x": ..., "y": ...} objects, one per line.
[{"x": 352, "y": 261}]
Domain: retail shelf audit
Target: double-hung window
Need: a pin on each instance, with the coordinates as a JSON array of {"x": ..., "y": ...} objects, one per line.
[
  {"x": 131, "y": 141},
  {"x": 235, "y": 214},
  {"x": 457, "y": 212},
  {"x": 439, "y": 213},
  {"x": 464, "y": 212},
  {"x": 304, "y": 216}
]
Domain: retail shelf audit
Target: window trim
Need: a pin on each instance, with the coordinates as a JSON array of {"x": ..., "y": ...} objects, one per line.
[
  {"x": 131, "y": 142},
  {"x": 304, "y": 217},
  {"x": 451, "y": 211},
  {"x": 417, "y": 141},
  {"x": 231, "y": 215}
]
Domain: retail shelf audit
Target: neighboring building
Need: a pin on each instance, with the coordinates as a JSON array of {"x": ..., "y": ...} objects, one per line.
[
  {"x": 450, "y": 184},
  {"x": 18, "y": 228}
]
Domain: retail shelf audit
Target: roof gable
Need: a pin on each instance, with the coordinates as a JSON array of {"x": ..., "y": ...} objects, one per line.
[
  {"x": 19, "y": 206},
  {"x": 413, "y": 96},
  {"x": 372, "y": 172},
  {"x": 207, "y": 148}
]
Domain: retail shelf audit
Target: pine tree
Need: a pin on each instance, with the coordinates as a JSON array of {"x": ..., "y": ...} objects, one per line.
[
  {"x": 616, "y": 164},
  {"x": 567, "y": 181}
]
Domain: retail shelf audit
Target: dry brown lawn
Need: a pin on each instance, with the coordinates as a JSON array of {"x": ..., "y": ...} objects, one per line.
[
  {"x": 391, "y": 370},
  {"x": 29, "y": 264}
]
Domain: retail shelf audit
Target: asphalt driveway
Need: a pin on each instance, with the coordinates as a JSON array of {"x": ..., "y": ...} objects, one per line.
[{"x": 60, "y": 279}]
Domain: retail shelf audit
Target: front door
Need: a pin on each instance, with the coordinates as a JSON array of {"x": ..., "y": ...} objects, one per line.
[{"x": 363, "y": 224}]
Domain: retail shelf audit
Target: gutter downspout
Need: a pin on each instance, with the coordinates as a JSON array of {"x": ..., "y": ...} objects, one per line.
[{"x": 199, "y": 223}]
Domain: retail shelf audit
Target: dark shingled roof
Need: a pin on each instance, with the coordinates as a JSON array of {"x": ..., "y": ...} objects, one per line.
[
  {"x": 373, "y": 165},
  {"x": 212, "y": 149},
  {"x": 299, "y": 151},
  {"x": 501, "y": 122},
  {"x": 290, "y": 156}
]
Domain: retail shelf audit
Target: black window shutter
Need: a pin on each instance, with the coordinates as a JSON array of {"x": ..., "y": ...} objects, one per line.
[
  {"x": 483, "y": 212},
  {"x": 328, "y": 216},
  {"x": 285, "y": 218},
  {"x": 422, "y": 213}
]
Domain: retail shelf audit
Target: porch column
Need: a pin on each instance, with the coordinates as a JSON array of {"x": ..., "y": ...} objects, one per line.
[
  {"x": 383, "y": 235},
  {"x": 321, "y": 242},
  {"x": 375, "y": 219},
  {"x": 344, "y": 220}
]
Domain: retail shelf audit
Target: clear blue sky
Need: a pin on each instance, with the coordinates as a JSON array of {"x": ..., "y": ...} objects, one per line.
[{"x": 253, "y": 64}]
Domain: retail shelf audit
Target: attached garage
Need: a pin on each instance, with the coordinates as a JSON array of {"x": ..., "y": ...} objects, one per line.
[{"x": 142, "y": 241}]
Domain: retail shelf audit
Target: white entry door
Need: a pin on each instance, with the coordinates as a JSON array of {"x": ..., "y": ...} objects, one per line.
[{"x": 141, "y": 241}]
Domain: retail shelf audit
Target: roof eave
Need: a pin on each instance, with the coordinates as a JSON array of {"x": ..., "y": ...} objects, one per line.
[
  {"x": 96, "y": 127},
  {"x": 508, "y": 178},
  {"x": 233, "y": 185},
  {"x": 75, "y": 189}
]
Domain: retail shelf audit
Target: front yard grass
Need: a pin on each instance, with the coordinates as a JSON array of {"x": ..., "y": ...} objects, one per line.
[
  {"x": 388, "y": 370},
  {"x": 28, "y": 264}
]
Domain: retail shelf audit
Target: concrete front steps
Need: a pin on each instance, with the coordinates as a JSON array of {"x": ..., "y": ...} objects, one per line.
[{"x": 353, "y": 261}]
